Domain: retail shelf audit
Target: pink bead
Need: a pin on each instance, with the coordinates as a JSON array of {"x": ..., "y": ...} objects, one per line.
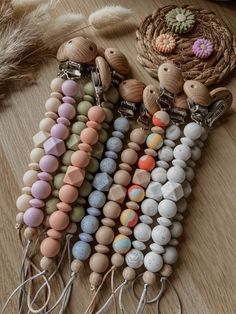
[
  {"x": 50, "y": 247},
  {"x": 69, "y": 100},
  {"x": 33, "y": 217},
  {"x": 36, "y": 203},
  {"x": 80, "y": 159},
  {"x": 60, "y": 131},
  {"x": 97, "y": 114},
  {"x": 67, "y": 111},
  {"x": 49, "y": 163},
  {"x": 68, "y": 193},
  {"x": 69, "y": 88},
  {"x": 59, "y": 220},
  {"x": 94, "y": 125},
  {"x": 85, "y": 147},
  {"x": 64, "y": 121},
  {"x": 41, "y": 189},
  {"x": 89, "y": 136},
  {"x": 44, "y": 176}
]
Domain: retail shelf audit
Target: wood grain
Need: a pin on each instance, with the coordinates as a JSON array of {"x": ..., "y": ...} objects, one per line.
[{"x": 205, "y": 275}]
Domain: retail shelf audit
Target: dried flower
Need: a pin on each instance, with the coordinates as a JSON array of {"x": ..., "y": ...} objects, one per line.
[
  {"x": 202, "y": 48},
  {"x": 180, "y": 20},
  {"x": 165, "y": 43}
]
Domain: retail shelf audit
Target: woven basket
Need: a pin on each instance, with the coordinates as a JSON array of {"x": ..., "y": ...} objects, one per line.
[{"x": 208, "y": 25}]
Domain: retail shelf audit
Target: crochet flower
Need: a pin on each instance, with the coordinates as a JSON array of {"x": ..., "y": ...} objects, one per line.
[
  {"x": 165, "y": 43},
  {"x": 180, "y": 20},
  {"x": 202, "y": 48}
]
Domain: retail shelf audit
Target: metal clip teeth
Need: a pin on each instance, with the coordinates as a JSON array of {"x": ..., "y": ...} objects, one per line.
[
  {"x": 116, "y": 77},
  {"x": 127, "y": 109},
  {"x": 144, "y": 117},
  {"x": 73, "y": 71},
  {"x": 166, "y": 99},
  {"x": 95, "y": 76},
  {"x": 178, "y": 116}
]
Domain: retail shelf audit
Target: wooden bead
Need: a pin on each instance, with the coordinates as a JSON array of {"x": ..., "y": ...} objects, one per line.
[
  {"x": 50, "y": 247},
  {"x": 117, "y": 61},
  {"x": 181, "y": 102},
  {"x": 149, "y": 278},
  {"x": 46, "y": 263},
  {"x": 122, "y": 177},
  {"x": 111, "y": 210},
  {"x": 117, "y": 260},
  {"x": 104, "y": 72},
  {"x": 129, "y": 156},
  {"x": 170, "y": 78},
  {"x": 100, "y": 248},
  {"x": 166, "y": 270},
  {"x": 77, "y": 266},
  {"x": 104, "y": 235},
  {"x": 224, "y": 93},
  {"x": 198, "y": 93},
  {"x": 95, "y": 279},
  {"x": 108, "y": 222},
  {"x": 150, "y": 97},
  {"x": 129, "y": 274},
  {"x": 132, "y": 90},
  {"x": 30, "y": 233},
  {"x": 101, "y": 52},
  {"x": 138, "y": 136},
  {"x": 99, "y": 262}
]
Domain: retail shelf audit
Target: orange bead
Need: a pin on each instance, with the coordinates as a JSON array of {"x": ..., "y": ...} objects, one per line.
[
  {"x": 64, "y": 207},
  {"x": 68, "y": 193},
  {"x": 97, "y": 114},
  {"x": 54, "y": 234},
  {"x": 59, "y": 220},
  {"x": 50, "y": 247},
  {"x": 80, "y": 159},
  {"x": 146, "y": 162},
  {"x": 89, "y": 136}
]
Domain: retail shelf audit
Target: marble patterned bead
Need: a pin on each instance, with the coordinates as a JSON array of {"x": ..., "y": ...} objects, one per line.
[
  {"x": 136, "y": 193},
  {"x": 153, "y": 262},
  {"x": 139, "y": 245},
  {"x": 114, "y": 144},
  {"x": 146, "y": 162},
  {"x": 108, "y": 165},
  {"x": 159, "y": 175},
  {"x": 134, "y": 259},
  {"x": 154, "y": 191},
  {"x": 149, "y": 207},
  {"x": 129, "y": 218},
  {"x": 81, "y": 250},
  {"x": 193, "y": 130},
  {"x": 121, "y": 244},
  {"x": 97, "y": 199},
  {"x": 154, "y": 141},
  {"x": 89, "y": 224},
  {"x": 142, "y": 232},
  {"x": 176, "y": 229},
  {"x": 171, "y": 255},
  {"x": 161, "y": 119},
  {"x": 165, "y": 153},
  {"x": 161, "y": 235},
  {"x": 176, "y": 174},
  {"x": 167, "y": 208},
  {"x": 173, "y": 132}
]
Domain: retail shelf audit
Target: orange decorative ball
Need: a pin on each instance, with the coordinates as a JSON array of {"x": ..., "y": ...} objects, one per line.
[
  {"x": 146, "y": 162},
  {"x": 161, "y": 119}
]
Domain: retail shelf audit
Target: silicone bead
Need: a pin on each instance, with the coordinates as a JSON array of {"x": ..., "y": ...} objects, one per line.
[
  {"x": 89, "y": 224},
  {"x": 189, "y": 173},
  {"x": 49, "y": 163},
  {"x": 117, "y": 260},
  {"x": 161, "y": 235},
  {"x": 50, "y": 247},
  {"x": 98, "y": 262},
  {"x": 44, "y": 176},
  {"x": 77, "y": 213},
  {"x": 36, "y": 203},
  {"x": 122, "y": 177},
  {"x": 97, "y": 199},
  {"x": 141, "y": 177},
  {"x": 173, "y": 132},
  {"x": 164, "y": 221},
  {"x": 69, "y": 88},
  {"x": 176, "y": 174},
  {"x": 80, "y": 159},
  {"x": 111, "y": 210},
  {"x": 172, "y": 191},
  {"x": 109, "y": 115},
  {"x": 77, "y": 127},
  {"x": 149, "y": 207},
  {"x": 89, "y": 89},
  {"x": 41, "y": 189},
  {"x": 176, "y": 229},
  {"x": 165, "y": 154},
  {"x": 154, "y": 191},
  {"x": 23, "y": 202},
  {"x": 171, "y": 255},
  {"x": 121, "y": 244},
  {"x": 33, "y": 217},
  {"x": 195, "y": 153},
  {"x": 60, "y": 131},
  {"x": 136, "y": 193},
  {"x": 142, "y": 232},
  {"x": 36, "y": 154},
  {"x": 121, "y": 124},
  {"x": 157, "y": 248},
  {"x": 108, "y": 165},
  {"x": 154, "y": 141},
  {"x": 30, "y": 177},
  {"x": 93, "y": 165},
  {"x": 129, "y": 156},
  {"x": 85, "y": 237},
  {"x": 114, "y": 144},
  {"x": 182, "y": 152},
  {"x": 112, "y": 95},
  {"x": 134, "y": 259},
  {"x": 51, "y": 205},
  {"x": 40, "y": 138},
  {"x": 83, "y": 107},
  {"x": 161, "y": 119},
  {"x": 146, "y": 219},
  {"x": 153, "y": 262},
  {"x": 129, "y": 218},
  {"x": 139, "y": 245},
  {"x": 46, "y": 124},
  {"x": 59, "y": 220},
  {"x": 138, "y": 136},
  {"x": 102, "y": 182},
  {"x": 89, "y": 136},
  {"x": 146, "y": 162},
  {"x": 193, "y": 130},
  {"x": 54, "y": 146},
  {"x": 56, "y": 84},
  {"x": 129, "y": 274},
  {"x": 104, "y": 235},
  {"x": 167, "y": 208},
  {"x": 68, "y": 193},
  {"x": 103, "y": 136},
  {"x": 52, "y": 104},
  {"x": 96, "y": 113},
  {"x": 81, "y": 250},
  {"x": 159, "y": 175}
]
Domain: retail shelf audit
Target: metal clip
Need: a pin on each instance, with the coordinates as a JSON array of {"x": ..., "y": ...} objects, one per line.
[
  {"x": 198, "y": 112},
  {"x": 116, "y": 77},
  {"x": 70, "y": 70},
  {"x": 178, "y": 116},
  {"x": 95, "y": 76},
  {"x": 127, "y": 109},
  {"x": 166, "y": 99},
  {"x": 215, "y": 110},
  {"x": 144, "y": 117}
]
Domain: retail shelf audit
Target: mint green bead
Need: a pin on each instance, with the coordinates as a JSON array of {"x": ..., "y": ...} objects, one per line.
[
  {"x": 83, "y": 107},
  {"x": 97, "y": 151},
  {"x": 58, "y": 181},
  {"x": 105, "y": 126},
  {"x": 89, "y": 98},
  {"x": 77, "y": 127},
  {"x": 77, "y": 213},
  {"x": 107, "y": 104},
  {"x": 82, "y": 118},
  {"x": 67, "y": 157},
  {"x": 81, "y": 201},
  {"x": 63, "y": 169},
  {"x": 93, "y": 165},
  {"x": 73, "y": 141},
  {"x": 85, "y": 189},
  {"x": 112, "y": 95},
  {"x": 89, "y": 89},
  {"x": 55, "y": 193},
  {"x": 102, "y": 136},
  {"x": 89, "y": 176},
  {"x": 51, "y": 205},
  {"x": 109, "y": 115}
]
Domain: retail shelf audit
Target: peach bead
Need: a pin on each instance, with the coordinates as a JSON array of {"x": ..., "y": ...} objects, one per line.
[
  {"x": 54, "y": 234},
  {"x": 59, "y": 220},
  {"x": 64, "y": 207},
  {"x": 50, "y": 247},
  {"x": 94, "y": 125},
  {"x": 97, "y": 114},
  {"x": 85, "y": 147},
  {"x": 36, "y": 154},
  {"x": 89, "y": 136},
  {"x": 98, "y": 262},
  {"x": 56, "y": 84},
  {"x": 104, "y": 235},
  {"x": 46, "y": 124},
  {"x": 68, "y": 193},
  {"x": 52, "y": 104},
  {"x": 111, "y": 210},
  {"x": 22, "y": 202},
  {"x": 129, "y": 156},
  {"x": 122, "y": 177},
  {"x": 80, "y": 159}
]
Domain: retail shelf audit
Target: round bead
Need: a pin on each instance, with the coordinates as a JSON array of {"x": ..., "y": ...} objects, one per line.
[
  {"x": 50, "y": 247},
  {"x": 111, "y": 210},
  {"x": 149, "y": 278},
  {"x": 49, "y": 163},
  {"x": 36, "y": 154},
  {"x": 41, "y": 189},
  {"x": 60, "y": 131},
  {"x": 129, "y": 218},
  {"x": 76, "y": 266},
  {"x": 159, "y": 175},
  {"x": 142, "y": 232},
  {"x": 97, "y": 199},
  {"x": 121, "y": 244},
  {"x": 129, "y": 274},
  {"x": 173, "y": 132},
  {"x": 161, "y": 119},
  {"x": 166, "y": 270},
  {"x": 157, "y": 248},
  {"x": 83, "y": 107},
  {"x": 108, "y": 165},
  {"x": 136, "y": 193},
  {"x": 30, "y": 233},
  {"x": 80, "y": 159},
  {"x": 161, "y": 235},
  {"x": 139, "y": 245},
  {"x": 138, "y": 136},
  {"x": 134, "y": 259},
  {"x": 193, "y": 130},
  {"x": 52, "y": 104},
  {"x": 59, "y": 220},
  {"x": 176, "y": 174},
  {"x": 89, "y": 89},
  {"x": 154, "y": 141},
  {"x": 122, "y": 177},
  {"x": 189, "y": 173},
  {"x": 99, "y": 262},
  {"x": 89, "y": 224},
  {"x": 171, "y": 255},
  {"x": 104, "y": 235},
  {"x": 176, "y": 229},
  {"x": 146, "y": 162},
  {"x": 149, "y": 207},
  {"x": 56, "y": 84},
  {"x": 95, "y": 279},
  {"x": 69, "y": 88},
  {"x": 36, "y": 203},
  {"x": 182, "y": 205},
  {"x": 182, "y": 152},
  {"x": 67, "y": 111},
  {"x": 195, "y": 153},
  {"x": 81, "y": 250},
  {"x": 167, "y": 208},
  {"x": 20, "y": 218},
  {"x": 121, "y": 124},
  {"x": 46, "y": 263},
  {"x": 117, "y": 260},
  {"x": 68, "y": 193},
  {"x": 30, "y": 177},
  {"x": 114, "y": 144},
  {"x": 54, "y": 234},
  {"x": 129, "y": 156},
  {"x": 89, "y": 136},
  {"x": 96, "y": 113},
  {"x": 153, "y": 262},
  {"x": 46, "y": 124},
  {"x": 165, "y": 154}
]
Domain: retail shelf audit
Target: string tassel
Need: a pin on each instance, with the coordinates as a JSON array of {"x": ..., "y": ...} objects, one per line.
[{"x": 142, "y": 300}]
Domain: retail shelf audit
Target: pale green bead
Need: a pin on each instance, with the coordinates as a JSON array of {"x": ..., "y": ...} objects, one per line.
[
  {"x": 51, "y": 205},
  {"x": 102, "y": 136},
  {"x": 73, "y": 141},
  {"x": 77, "y": 127},
  {"x": 89, "y": 176},
  {"x": 89, "y": 89},
  {"x": 107, "y": 104},
  {"x": 58, "y": 181},
  {"x": 66, "y": 158},
  {"x": 83, "y": 107},
  {"x": 55, "y": 193},
  {"x": 89, "y": 98},
  {"x": 63, "y": 169},
  {"x": 109, "y": 114},
  {"x": 85, "y": 189},
  {"x": 93, "y": 165},
  {"x": 77, "y": 213},
  {"x": 82, "y": 118},
  {"x": 97, "y": 151},
  {"x": 81, "y": 200},
  {"x": 105, "y": 126},
  {"x": 112, "y": 95}
]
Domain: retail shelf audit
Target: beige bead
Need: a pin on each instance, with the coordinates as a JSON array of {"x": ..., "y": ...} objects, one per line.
[
  {"x": 46, "y": 124},
  {"x": 26, "y": 190},
  {"x": 100, "y": 248},
  {"x": 117, "y": 60},
  {"x": 50, "y": 114},
  {"x": 57, "y": 95},
  {"x": 125, "y": 231},
  {"x": 134, "y": 146},
  {"x": 72, "y": 228},
  {"x": 138, "y": 136},
  {"x": 46, "y": 263},
  {"x": 111, "y": 210},
  {"x": 39, "y": 138},
  {"x": 95, "y": 279},
  {"x": 150, "y": 96},
  {"x": 101, "y": 51},
  {"x": 98, "y": 262},
  {"x": 198, "y": 93},
  {"x": 56, "y": 84},
  {"x": 129, "y": 156},
  {"x": 170, "y": 78},
  {"x": 132, "y": 205},
  {"x": 30, "y": 233},
  {"x": 149, "y": 278},
  {"x": 150, "y": 152},
  {"x": 30, "y": 177},
  {"x": 104, "y": 235},
  {"x": 22, "y": 202},
  {"x": 117, "y": 260},
  {"x": 126, "y": 167},
  {"x": 108, "y": 222},
  {"x": 52, "y": 104},
  {"x": 157, "y": 129},
  {"x": 167, "y": 270},
  {"x": 129, "y": 274},
  {"x": 19, "y": 218},
  {"x": 36, "y": 154},
  {"x": 77, "y": 266},
  {"x": 122, "y": 177},
  {"x": 104, "y": 72},
  {"x": 34, "y": 166}
]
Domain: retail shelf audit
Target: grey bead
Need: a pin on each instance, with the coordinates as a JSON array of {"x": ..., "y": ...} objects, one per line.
[
  {"x": 85, "y": 237},
  {"x": 108, "y": 165},
  {"x": 118, "y": 134},
  {"x": 102, "y": 182},
  {"x": 81, "y": 250},
  {"x": 96, "y": 199},
  {"x": 114, "y": 144},
  {"x": 93, "y": 211},
  {"x": 121, "y": 124},
  {"x": 111, "y": 154},
  {"x": 89, "y": 224}
]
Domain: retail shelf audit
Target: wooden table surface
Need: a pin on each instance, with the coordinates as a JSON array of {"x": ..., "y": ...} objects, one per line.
[{"x": 205, "y": 275}]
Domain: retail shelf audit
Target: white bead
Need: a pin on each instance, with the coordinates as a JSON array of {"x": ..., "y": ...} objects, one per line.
[
  {"x": 196, "y": 153},
  {"x": 173, "y": 132},
  {"x": 189, "y": 173},
  {"x": 159, "y": 249},
  {"x": 139, "y": 245},
  {"x": 176, "y": 174},
  {"x": 199, "y": 143},
  {"x": 191, "y": 163},
  {"x": 174, "y": 242},
  {"x": 171, "y": 255},
  {"x": 20, "y": 218},
  {"x": 36, "y": 154},
  {"x": 159, "y": 175},
  {"x": 169, "y": 143},
  {"x": 165, "y": 153},
  {"x": 193, "y": 130},
  {"x": 172, "y": 191},
  {"x": 134, "y": 258},
  {"x": 176, "y": 229},
  {"x": 179, "y": 163},
  {"x": 186, "y": 188},
  {"x": 142, "y": 232},
  {"x": 182, "y": 205},
  {"x": 149, "y": 207},
  {"x": 161, "y": 235},
  {"x": 163, "y": 164},
  {"x": 164, "y": 221},
  {"x": 30, "y": 177},
  {"x": 167, "y": 208},
  {"x": 154, "y": 191},
  {"x": 146, "y": 219},
  {"x": 39, "y": 138},
  {"x": 182, "y": 152},
  {"x": 153, "y": 262},
  {"x": 187, "y": 141},
  {"x": 179, "y": 217}
]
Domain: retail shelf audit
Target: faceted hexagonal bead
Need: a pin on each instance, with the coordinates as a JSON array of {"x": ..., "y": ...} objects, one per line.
[
  {"x": 117, "y": 193},
  {"x": 141, "y": 177},
  {"x": 154, "y": 191},
  {"x": 172, "y": 191},
  {"x": 97, "y": 151},
  {"x": 40, "y": 138},
  {"x": 186, "y": 188},
  {"x": 102, "y": 182},
  {"x": 54, "y": 146},
  {"x": 74, "y": 176},
  {"x": 73, "y": 141}
]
